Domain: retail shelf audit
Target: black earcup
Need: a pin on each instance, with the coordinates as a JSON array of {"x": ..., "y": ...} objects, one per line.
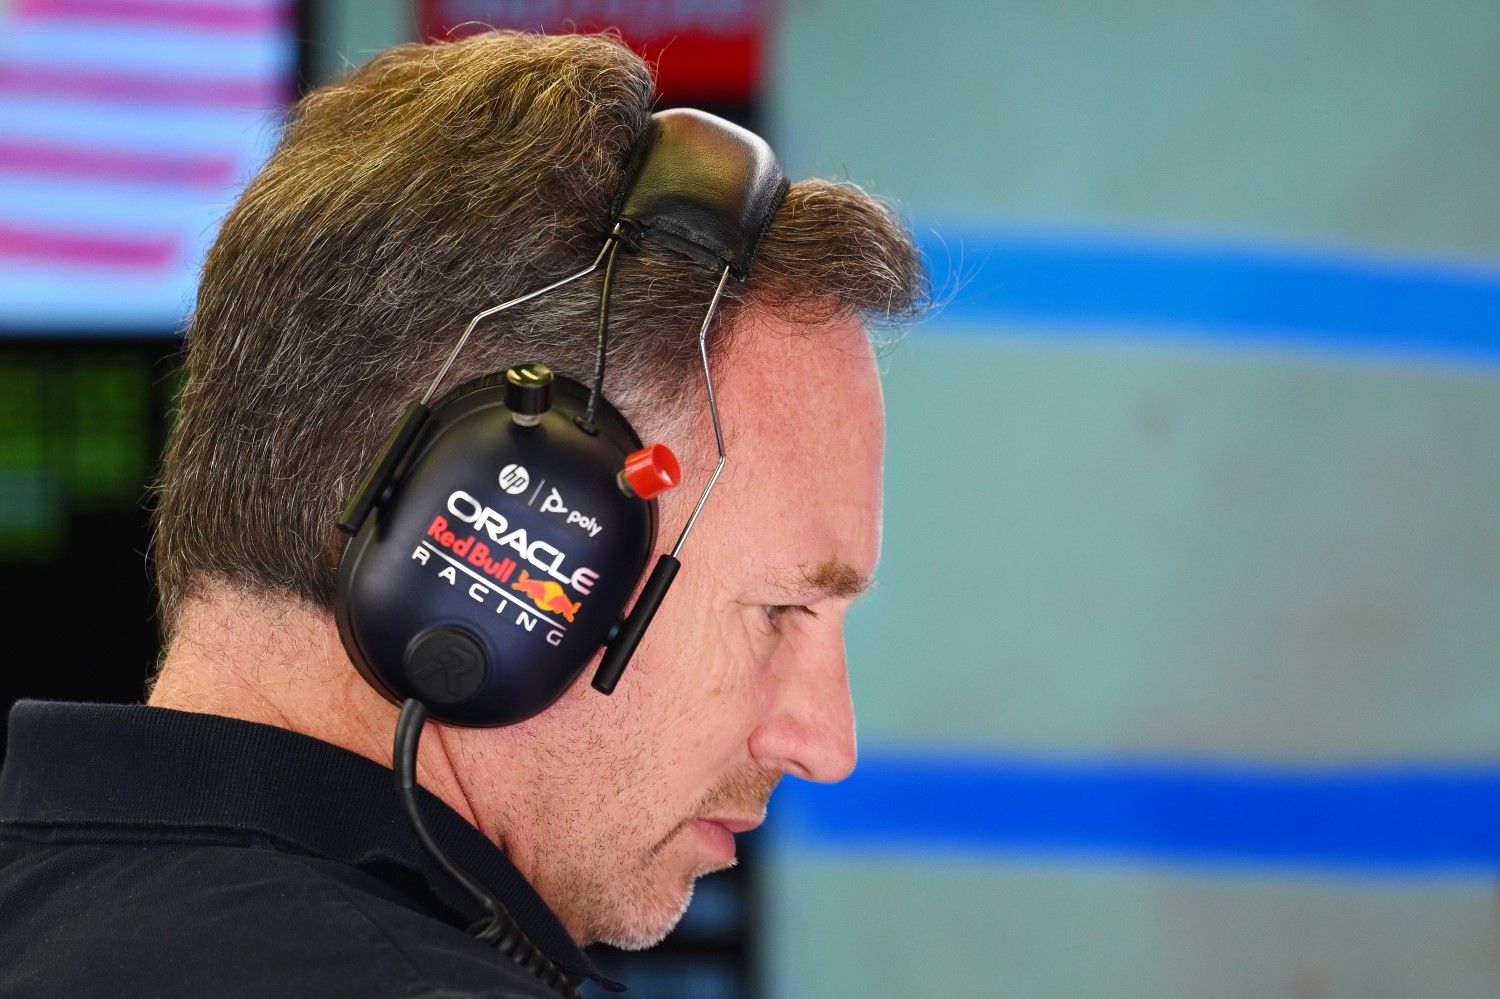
[{"x": 500, "y": 558}]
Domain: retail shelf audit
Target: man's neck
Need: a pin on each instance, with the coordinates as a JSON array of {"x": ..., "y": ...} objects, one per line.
[{"x": 278, "y": 661}]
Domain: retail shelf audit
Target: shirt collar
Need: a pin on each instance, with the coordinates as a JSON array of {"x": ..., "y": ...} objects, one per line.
[{"x": 147, "y": 767}]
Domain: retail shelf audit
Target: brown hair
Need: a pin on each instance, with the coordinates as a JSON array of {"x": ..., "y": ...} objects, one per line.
[{"x": 428, "y": 184}]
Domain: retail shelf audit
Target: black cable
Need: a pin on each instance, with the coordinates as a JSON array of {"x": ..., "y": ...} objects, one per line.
[
  {"x": 499, "y": 930},
  {"x": 609, "y": 277}
]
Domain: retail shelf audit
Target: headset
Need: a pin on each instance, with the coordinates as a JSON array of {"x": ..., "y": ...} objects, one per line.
[{"x": 501, "y": 531}]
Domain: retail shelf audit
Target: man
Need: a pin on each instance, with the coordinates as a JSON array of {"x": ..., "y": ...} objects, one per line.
[{"x": 240, "y": 836}]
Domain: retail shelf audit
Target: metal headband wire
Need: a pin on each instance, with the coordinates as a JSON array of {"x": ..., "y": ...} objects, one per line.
[
  {"x": 713, "y": 409},
  {"x": 479, "y": 317},
  {"x": 610, "y": 244}
]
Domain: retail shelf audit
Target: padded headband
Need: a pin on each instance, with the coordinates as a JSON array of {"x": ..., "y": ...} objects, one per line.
[{"x": 703, "y": 186}]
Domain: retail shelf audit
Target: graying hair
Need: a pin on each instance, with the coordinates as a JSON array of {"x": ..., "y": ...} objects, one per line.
[{"x": 427, "y": 185}]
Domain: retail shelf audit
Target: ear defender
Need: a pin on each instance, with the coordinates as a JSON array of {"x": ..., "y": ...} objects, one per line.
[
  {"x": 501, "y": 531},
  {"x": 506, "y": 552}
]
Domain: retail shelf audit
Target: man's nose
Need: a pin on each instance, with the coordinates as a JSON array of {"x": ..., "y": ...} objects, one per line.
[{"x": 808, "y": 730}]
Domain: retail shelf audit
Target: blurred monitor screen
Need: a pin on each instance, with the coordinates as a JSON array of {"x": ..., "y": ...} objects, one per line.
[{"x": 127, "y": 128}]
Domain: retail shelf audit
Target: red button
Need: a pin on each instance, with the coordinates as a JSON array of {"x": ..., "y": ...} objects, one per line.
[{"x": 652, "y": 470}]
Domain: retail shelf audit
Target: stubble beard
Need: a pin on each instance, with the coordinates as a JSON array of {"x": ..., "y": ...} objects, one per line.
[{"x": 634, "y": 904}]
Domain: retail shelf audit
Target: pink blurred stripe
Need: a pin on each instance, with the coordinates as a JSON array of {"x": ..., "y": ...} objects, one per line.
[
  {"x": 84, "y": 250},
  {"x": 170, "y": 13},
  {"x": 116, "y": 165},
  {"x": 43, "y": 81}
]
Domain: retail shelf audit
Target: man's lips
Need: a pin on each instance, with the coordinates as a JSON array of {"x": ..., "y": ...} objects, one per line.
[
  {"x": 735, "y": 823},
  {"x": 719, "y": 830}
]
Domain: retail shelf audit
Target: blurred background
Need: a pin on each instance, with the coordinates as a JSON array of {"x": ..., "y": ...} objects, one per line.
[{"x": 1181, "y": 678}]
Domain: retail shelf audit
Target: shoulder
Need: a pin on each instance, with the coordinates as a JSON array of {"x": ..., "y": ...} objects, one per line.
[{"x": 163, "y": 919}]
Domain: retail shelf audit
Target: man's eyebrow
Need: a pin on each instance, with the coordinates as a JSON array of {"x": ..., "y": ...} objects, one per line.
[{"x": 830, "y": 578}]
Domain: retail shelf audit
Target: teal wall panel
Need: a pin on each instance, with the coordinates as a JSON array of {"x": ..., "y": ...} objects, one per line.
[
  {"x": 1368, "y": 122},
  {"x": 1101, "y": 545},
  {"x": 1181, "y": 543}
]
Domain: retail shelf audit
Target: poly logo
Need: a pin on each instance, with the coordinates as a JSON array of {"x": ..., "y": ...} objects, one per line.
[
  {"x": 514, "y": 479},
  {"x": 554, "y": 504}
]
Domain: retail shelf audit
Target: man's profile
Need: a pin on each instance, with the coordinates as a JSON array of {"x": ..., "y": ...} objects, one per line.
[{"x": 239, "y": 835}]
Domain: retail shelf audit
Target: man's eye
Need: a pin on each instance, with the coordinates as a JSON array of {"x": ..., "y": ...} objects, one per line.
[{"x": 775, "y": 612}]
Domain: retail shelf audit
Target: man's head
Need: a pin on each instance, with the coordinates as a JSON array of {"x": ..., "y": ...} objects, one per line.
[
  {"x": 742, "y": 678},
  {"x": 436, "y": 181}
]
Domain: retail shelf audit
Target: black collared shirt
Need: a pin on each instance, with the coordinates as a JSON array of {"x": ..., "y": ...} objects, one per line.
[{"x": 149, "y": 852}]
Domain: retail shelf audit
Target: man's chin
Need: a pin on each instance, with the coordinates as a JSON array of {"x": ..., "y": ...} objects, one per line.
[
  {"x": 652, "y": 922},
  {"x": 648, "y": 928}
]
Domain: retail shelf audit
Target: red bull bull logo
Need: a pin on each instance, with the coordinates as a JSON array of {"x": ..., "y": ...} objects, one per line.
[{"x": 547, "y": 595}]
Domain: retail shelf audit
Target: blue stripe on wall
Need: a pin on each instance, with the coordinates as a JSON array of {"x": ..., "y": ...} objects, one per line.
[
  {"x": 1399, "y": 819},
  {"x": 1214, "y": 291}
]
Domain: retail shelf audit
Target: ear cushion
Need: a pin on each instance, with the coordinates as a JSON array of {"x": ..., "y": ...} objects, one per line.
[{"x": 501, "y": 560}]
